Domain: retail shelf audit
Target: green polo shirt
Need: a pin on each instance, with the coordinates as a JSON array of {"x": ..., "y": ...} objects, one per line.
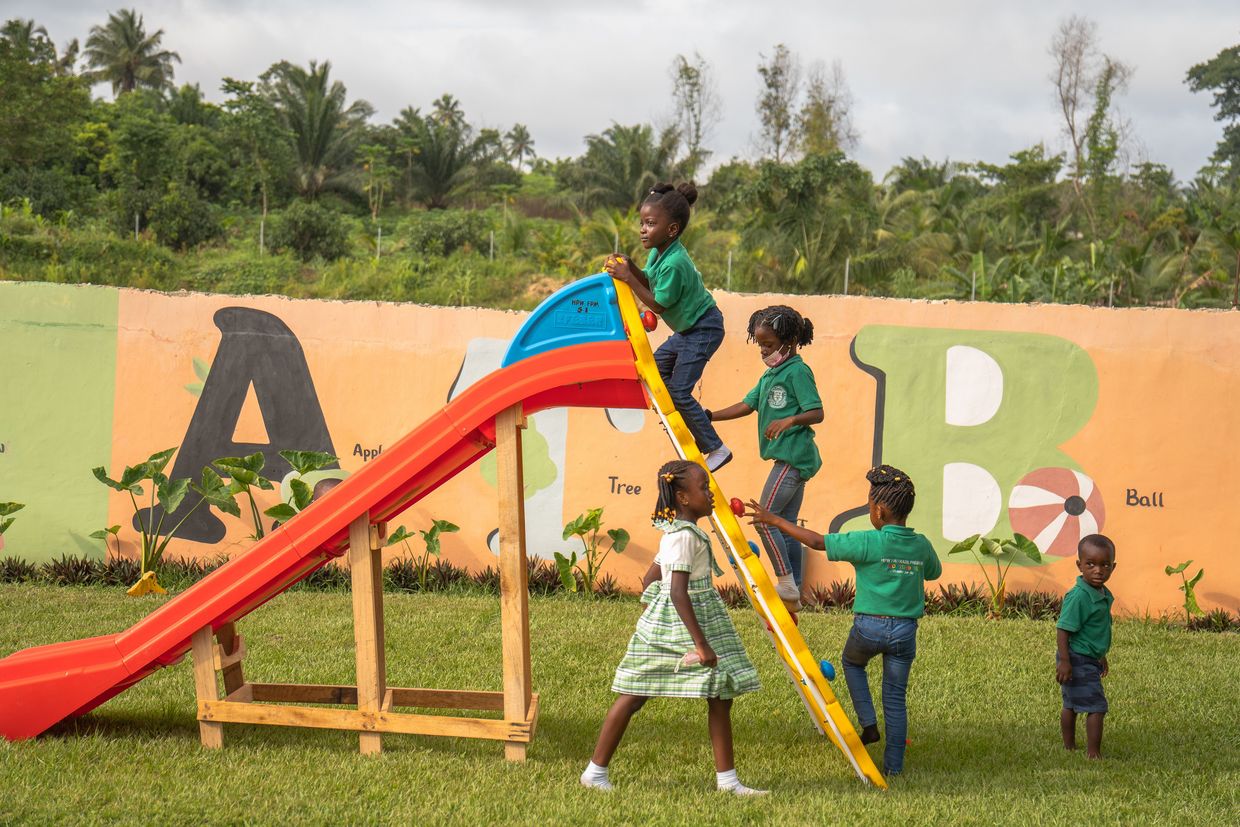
[
  {"x": 783, "y": 391},
  {"x": 677, "y": 285},
  {"x": 1086, "y": 617},
  {"x": 892, "y": 567}
]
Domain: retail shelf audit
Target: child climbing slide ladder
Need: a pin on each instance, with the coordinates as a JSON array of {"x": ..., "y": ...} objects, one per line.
[{"x": 804, "y": 672}]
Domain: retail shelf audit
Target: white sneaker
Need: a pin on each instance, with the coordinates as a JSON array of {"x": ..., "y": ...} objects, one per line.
[
  {"x": 718, "y": 458},
  {"x": 741, "y": 789}
]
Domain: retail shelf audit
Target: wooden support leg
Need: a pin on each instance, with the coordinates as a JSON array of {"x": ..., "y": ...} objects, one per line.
[
  {"x": 513, "y": 574},
  {"x": 234, "y": 677},
  {"x": 367, "y": 625},
  {"x": 211, "y": 732}
]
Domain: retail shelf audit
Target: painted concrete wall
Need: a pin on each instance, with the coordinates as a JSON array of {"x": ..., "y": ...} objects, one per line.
[{"x": 1048, "y": 420}]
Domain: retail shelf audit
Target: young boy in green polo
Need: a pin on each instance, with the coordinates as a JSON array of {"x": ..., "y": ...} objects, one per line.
[{"x": 1083, "y": 636}]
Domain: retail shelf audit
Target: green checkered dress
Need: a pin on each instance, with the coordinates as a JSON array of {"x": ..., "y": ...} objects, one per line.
[{"x": 649, "y": 667}]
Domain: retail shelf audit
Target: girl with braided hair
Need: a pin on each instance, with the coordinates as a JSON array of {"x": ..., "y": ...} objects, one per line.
[
  {"x": 672, "y": 287},
  {"x": 892, "y": 563},
  {"x": 788, "y": 405},
  {"x": 685, "y": 645}
]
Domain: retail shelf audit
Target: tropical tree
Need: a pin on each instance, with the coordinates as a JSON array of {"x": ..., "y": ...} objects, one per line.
[
  {"x": 325, "y": 128},
  {"x": 438, "y": 155},
  {"x": 261, "y": 142},
  {"x": 781, "y": 85},
  {"x": 28, "y": 37},
  {"x": 622, "y": 163},
  {"x": 1221, "y": 75},
  {"x": 123, "y": 54},
  {"x": 697, "y": 108},
  {"x": 519, "y": 144}
]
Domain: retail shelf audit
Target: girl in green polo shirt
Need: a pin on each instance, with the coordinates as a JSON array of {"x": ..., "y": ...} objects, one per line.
[
  {"x": 672, "y": 287},
  {"x": 788, "y": 405},
  {"x": 893, "y": 562}
]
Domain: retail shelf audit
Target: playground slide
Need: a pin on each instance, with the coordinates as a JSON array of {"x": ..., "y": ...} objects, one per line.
[
  {"x": 584, "y": 347},
  {"x": 46, "y": 684}
]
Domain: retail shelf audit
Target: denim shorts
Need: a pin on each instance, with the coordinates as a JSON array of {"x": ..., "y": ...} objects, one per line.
[{"x": 1084, "y": 692}]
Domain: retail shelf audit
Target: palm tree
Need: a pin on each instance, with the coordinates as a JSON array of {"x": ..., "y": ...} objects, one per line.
[
  {"x": 519, "y": 144},
  {"x": 122, "y": 53},
  {"x": 621, "y": 164},
  {"x": 439, "y": 155},
  {"x": 325, "y": 129},
  {"x": 28, "y": 37}
]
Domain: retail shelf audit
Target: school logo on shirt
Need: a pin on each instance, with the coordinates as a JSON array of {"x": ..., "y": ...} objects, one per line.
[{"x": 777, "y": 397}]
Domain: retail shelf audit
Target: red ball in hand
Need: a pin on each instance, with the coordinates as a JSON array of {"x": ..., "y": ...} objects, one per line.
[
  {"x": 649, "y": 320},
  {"x": 738, "y": 507}
]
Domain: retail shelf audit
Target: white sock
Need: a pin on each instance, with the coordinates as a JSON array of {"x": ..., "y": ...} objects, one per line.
[
  {"x": 596, "y": 776},
  {"x": 786, "y": 588},
  {"x": 728, "y": 782}
]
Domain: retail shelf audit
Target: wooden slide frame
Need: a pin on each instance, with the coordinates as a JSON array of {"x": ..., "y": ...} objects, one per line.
[{"x": 245, "y": 702}]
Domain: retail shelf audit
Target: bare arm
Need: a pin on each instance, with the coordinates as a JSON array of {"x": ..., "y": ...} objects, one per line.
[
  {"x": 655, "y": 572},
  {"x": 736, "y": 411},
  {"x": 1063, "y": 669},
  {"x": 684, "y": 608},
  {"x": 760, "y": 516},
  {"x": 623, "y": 269}
]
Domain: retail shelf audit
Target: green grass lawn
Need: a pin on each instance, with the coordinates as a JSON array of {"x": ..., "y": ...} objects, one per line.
[{"x": 984, "y": 725}]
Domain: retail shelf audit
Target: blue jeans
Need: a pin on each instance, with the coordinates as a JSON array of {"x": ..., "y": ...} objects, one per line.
[
  {"x": 681, "y": 361},
  {"x": 895, "y": 638},
  {"x": 782, "y": 495}
]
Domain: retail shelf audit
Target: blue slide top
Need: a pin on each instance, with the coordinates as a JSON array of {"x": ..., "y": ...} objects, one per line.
[{"x": 576, "y": 314}]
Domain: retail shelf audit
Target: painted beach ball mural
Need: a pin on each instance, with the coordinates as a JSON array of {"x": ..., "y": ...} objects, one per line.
[{"x": 1056, "y": 507}]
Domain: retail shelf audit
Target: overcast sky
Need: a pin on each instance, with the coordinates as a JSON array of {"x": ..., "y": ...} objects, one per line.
[{"x": 955, "y": 79}]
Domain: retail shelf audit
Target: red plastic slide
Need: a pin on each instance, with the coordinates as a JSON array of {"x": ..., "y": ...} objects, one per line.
[{"x": 46, "y": 684}]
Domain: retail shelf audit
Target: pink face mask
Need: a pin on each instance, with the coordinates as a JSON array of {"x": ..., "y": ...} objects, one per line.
[{"x": 776, "y": 357}]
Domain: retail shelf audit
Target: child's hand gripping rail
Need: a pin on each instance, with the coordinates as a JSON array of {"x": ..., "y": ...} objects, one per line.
[{"x": 803, "y": 670}]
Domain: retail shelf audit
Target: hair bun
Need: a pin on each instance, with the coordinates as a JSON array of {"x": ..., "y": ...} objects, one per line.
[
  {"x": 689, "y": 190},
  {"x": 887, "y": 474},
  {"x": 661, "y": 188}
]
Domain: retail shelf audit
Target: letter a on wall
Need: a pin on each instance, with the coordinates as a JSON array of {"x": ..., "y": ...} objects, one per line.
[{"x": 256, "y": 349}]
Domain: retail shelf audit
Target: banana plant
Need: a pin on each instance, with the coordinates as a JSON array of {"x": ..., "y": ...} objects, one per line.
[
  {"x": 1003, "y": 553},
  {"x": 168, "y": 495},
  {"x": 244, "y": 477}
]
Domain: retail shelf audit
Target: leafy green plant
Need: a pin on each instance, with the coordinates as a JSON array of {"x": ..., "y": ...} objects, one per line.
[
  {"x": 168, "y": 494},
  {"x": 1188, "y": 586},
  {"x": 1003, "y": 553},
  {"x": 586, "y": 528},
  {"x": 430, "y": 539},
  {"x": 303, "y": 462},
  {"x": 243, "y": 475},
  {"x": 5, "y": 510},
  {"x": 112, "y": 531}
]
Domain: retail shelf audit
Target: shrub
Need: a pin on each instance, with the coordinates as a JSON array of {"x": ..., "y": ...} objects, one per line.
[
  {"x": 732, "y": 595},
  {"x": 310, "y": 230},
  {"x": 118, "y": 571},
  {"x": 17, "y": 570},
  {"x": 442, "y": 232},
  {"x": 181, "y": 220},
  {"x": 70, "y": 571},
  {"x": 834, "y": 595}
]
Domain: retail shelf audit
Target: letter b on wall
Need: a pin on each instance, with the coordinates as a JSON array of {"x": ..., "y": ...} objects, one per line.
[{"x": 967, "y": 413}]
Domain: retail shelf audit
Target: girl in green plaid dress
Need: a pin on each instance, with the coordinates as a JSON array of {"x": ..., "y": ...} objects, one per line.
[{"x": 685, "y": 645}]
